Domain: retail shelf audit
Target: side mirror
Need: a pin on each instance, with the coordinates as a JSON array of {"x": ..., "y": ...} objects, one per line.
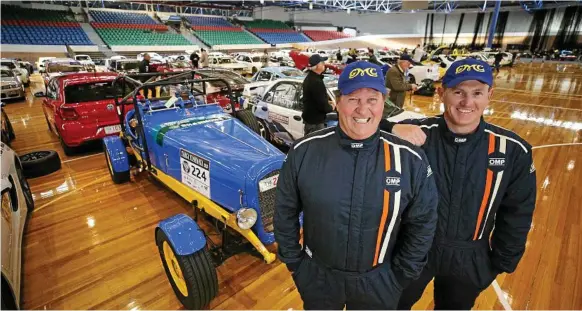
[
  {"x": 264, "y": 108},
  {"x": 443, "y": 65},
  {"x": 39, "y": 94},
  {"x": 2, "y": 104}
]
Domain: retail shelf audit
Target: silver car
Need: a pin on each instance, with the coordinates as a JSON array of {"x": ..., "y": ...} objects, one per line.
[
  {"x": 20, "y": 72},
  {"x": 11, "y": 85},
  {"x": 17, "y": 202}
]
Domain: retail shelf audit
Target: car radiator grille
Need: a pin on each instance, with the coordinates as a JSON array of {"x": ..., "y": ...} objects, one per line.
[{"x": 267, "y": 204}]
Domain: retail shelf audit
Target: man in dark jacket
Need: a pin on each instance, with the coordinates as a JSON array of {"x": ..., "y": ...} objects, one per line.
[
  {"x": 315, "y": 101},
  {"x": 487, "y": 183},
  {"x": 498, "y": 59},
  {"x": 368, "y": 200},
  {"x": 144, "y": 67},
  {"x": 195, "y": 59},
  {"x": 396, "y": 80}
]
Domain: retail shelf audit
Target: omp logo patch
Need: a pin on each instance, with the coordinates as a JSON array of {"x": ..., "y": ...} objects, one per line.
[
  {"x": 463, "y": 68},
  {"x": 370, "y": 72},
  {"x": 392, "y": 181},
  {"x": 428, "y": 171},
  {"x": 496, "y": 161},
  {"x": 460, "y": 140},
  {"x": 532, "y": 168},
  {"x": 357, "y": 145}
]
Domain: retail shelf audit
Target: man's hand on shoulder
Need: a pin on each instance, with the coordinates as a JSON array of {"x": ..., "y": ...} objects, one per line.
[{"x": 409, "y": 132}]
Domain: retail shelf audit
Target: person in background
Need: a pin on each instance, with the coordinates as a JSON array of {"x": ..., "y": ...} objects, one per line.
[
  {"x": 418, "y": 53},
  {"x": 498, "y": 59},
  {"x": 194, "y": 58},
  {"x": 396, "y": 80},
  {"x": 372, "y": 57},
  {"x": 204, "y": 59},
  {"x": 368, "y": 200},
  {"x": 338, "y": 55},
  {"x": 144, "y": 67},
  {"x": 265, "y": 58},
  {"x": 315, "y": 101},
  {"x": 487, "y": 190}
]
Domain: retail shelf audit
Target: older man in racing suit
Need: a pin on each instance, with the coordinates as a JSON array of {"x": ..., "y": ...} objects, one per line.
[{"x": 368, "y": 200}]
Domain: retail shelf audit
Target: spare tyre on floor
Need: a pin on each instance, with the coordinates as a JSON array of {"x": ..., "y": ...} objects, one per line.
[
  {"x": 40, "y": 163},
  {"x": 248, "y": 118}
]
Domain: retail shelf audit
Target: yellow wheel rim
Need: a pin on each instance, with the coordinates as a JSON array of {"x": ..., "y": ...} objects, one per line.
[
  {"x": 109, "y": 163},
  {"x": 174, "y": 267}
]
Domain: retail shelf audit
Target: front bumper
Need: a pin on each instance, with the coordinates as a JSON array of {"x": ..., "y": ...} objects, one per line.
[{"x": 17, "y": 92}]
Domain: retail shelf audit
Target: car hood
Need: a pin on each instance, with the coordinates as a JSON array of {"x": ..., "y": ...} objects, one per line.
[
  {"x": 11, "y": 80},
  {"x": 221, "y": 139}
]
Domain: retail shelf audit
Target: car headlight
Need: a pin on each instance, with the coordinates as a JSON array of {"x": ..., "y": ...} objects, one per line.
[{"x": 246, "y": 218}]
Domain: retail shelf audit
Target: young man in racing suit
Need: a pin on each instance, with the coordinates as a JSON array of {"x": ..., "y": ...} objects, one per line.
[
  {"x": 487, "y": 183},
  {"x": 368, "y": 200}
]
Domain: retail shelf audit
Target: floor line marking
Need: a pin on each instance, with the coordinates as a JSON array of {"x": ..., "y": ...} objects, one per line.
[
  {"x": 533, "y": 93},
  {"x": 102, "y": 179},
  {"x": 500, "y": 295},
  {"x": 79, "y": 158},
  {"x": 556, "y": 145}
]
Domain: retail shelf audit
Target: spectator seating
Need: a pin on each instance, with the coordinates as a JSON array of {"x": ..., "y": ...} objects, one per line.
[
  {"x": 274, "y": 32},
  {"x": 218, "y": 31},
  {"x": 322, "y": 35},
  {"x": 40, "y": 27},
  {"x": 124, "y": 28}
]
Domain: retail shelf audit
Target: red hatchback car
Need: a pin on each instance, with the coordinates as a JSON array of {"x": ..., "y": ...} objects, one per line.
[{"x": 80, "y": 108}]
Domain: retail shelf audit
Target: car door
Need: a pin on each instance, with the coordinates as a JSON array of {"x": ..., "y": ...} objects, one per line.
[{"x": 284, "y": 107}]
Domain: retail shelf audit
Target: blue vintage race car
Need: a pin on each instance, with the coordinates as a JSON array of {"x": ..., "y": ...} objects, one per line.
[{"x": 211, "y": 159}]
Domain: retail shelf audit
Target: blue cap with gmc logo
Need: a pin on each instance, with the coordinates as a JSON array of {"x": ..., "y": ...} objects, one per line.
[
  {"x": 468, "y": 69},
  {"x": 361, "y": 74}
]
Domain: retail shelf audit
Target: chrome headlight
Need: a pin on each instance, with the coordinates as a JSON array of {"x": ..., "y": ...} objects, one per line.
[{"x": 246, "y": 218}]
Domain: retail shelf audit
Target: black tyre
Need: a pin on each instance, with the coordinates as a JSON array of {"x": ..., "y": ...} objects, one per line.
[
  {"x": 48, "y": 124},
  {"x": 412, "y": 79},
  {"x": 70, "y": 151},
  {"x": 248, "y": 119},
  {"x": 193, "y": 277},
  {"x": 117, "y": 177},
  {"x": 7, "y": 128},
  {"x": 264, "y": 129},
  {"x": 25, "y": 187},
  {"x": 40, "y": 163}
]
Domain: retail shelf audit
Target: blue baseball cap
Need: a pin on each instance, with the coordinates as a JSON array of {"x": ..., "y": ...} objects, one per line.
[
  {"x": 361, "y": 74},
  {"x": 468, "y": 69}
]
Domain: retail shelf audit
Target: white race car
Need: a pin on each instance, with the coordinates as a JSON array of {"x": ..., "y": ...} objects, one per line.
[
  {"x": 17, "y": 202},
  {"x": 19, "y": 72},
  {"x": 228, "y": 62},
  {"x": 281, "y": 104},
  {"x": 253, "y": 61}
]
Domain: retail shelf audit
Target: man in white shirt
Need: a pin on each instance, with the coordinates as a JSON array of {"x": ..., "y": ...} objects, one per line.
[{"x": 418, "y": 54}]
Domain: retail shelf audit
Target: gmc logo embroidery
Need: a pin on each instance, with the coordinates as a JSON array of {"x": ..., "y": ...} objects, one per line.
[
  {"x": 357, "y": 145},
  {"x": 460, "y": 140}
]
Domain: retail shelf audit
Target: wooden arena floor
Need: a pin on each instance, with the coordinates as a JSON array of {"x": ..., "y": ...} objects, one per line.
[{"x": 90, "y": 243}]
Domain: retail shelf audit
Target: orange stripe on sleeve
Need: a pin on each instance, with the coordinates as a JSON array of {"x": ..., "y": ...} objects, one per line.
[
  {"x": 385, "y": 206},
  {"x": 488, "y": 181}
]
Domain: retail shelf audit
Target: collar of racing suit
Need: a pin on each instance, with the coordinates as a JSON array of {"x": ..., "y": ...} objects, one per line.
[
  {"x": 353, "y": 144},
  {"x": 458, "y": 139}
]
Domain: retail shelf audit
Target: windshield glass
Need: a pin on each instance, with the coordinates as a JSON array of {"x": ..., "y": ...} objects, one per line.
[
  {"x": 292, "y": 73},
  {"x": 256, "y": 59},
  {"x": 8, "y": 64},
  {"x": 7, "y": 74},
  {"x": 230, "y": 77},
  {"x": 127, "y": 65},
  {"x": 82, "y": 57},
  {"x": 63, "y": 68},
  {"x": 90, "y": 92}
]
